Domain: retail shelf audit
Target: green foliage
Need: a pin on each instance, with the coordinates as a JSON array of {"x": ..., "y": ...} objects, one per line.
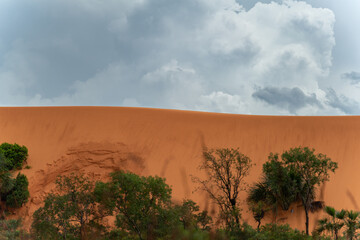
[
  {"x": 142, "y": 207},
  {"x": 337, "y": 221},
  {"x": 351, "y": 224},
  {"x": 10, "y": 230},
  {"x": 183, "y": 234},
  {"x": 190, "y": 217},
  {"x": 258, "y": 210},
  {"x": 14, "y": 192},
  {"x": 226, "y": 169},
  {"x": 279, "y": 232},
  {"x": 281, "y": 183},
  {"x": 14, "y": 155},
  {"x": 70, "y": 212},
  {"x": 6, "y": 184},
  {"x": 141, "y": 204},
  {"x": 277, "y": 188},
  {"x": 311, "y": 170},
  {"x": 333, "y": 223},
  {"x": 19, "y": 193}
]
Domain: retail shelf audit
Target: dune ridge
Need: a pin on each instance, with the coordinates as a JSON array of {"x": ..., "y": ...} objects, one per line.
[{"x": 169, "y": 143}]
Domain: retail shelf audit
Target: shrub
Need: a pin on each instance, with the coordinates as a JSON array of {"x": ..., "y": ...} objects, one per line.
[
  {"x": 14, "y": 155},
  {"x": 139, "y": 203},
  {"x": 9, "y": 229},
  {"x": 190, "y": 217},
  {"x": 19, "y": 193},
  {"x": 279, "y": 232},
  {"x": 70, "y": 212},
  {"x": 14, "y": 192}
]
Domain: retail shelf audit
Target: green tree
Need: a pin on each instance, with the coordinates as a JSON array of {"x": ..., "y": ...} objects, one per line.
[
  {"x": 19, "y": 193},
  {"x": 351, "y": 223},
  {"x": 258, "y": 210},
  {"x": 70, "y": 212},
  {"x": 310, "y": 170},
  {"x": 333, "y": 223},
  {"x": 15, "y": 155},
  {"x": 11, "y": 230},
  {"x": 6, "y": 185},
  {"x": 141, "y": 204},
  {"x": 279, "y": 232},
  {"x": 226, "y": 169},
  {"x": 277, "y": 188},
  {"x": 190, "y": 216},
  {"x": 13, "y": 192}
]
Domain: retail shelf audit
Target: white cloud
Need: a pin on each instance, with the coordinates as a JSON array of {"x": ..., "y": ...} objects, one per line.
[{"x": 222, "y": 102}]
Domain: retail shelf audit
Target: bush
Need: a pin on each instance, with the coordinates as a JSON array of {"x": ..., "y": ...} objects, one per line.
[
  {"x": 13, "y": 192},
  {"x": 279, "y": 232},
  {"x": 70, "y": 212},
  {"x": 14, "y": 154},
  {"x": 9, "y": 229},
  {"x": 140, "y": 204},
  {"x": 19, "y": 193},
  {"x": 190, "y": 217}
]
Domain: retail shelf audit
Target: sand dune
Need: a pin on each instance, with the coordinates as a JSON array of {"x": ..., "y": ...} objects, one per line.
[{"x": 169, "y": 143}]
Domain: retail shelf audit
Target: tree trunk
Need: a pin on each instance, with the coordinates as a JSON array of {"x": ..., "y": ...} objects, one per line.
[
  {"x": 233, "y": 205},
  {"x": 258, "y": 226},
  {"x": 336, "y": 234},
  {"x": 83, "y": 232},
  {"x": 236, "y": 216},
  {"x": 307, "y": 221}
]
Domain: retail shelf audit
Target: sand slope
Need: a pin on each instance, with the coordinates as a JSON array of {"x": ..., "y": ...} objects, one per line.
[{"x": 169, "y": 143}]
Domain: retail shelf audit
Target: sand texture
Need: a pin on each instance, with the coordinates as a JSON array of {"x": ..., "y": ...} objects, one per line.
[{"x": 169, "y": 143}]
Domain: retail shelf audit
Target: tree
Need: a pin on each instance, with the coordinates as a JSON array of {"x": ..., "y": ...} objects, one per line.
[
  {"x": 310, "y": 170},
  {"x": 15, "y": 155},
  {"x": 277, "y": 188},
  {"x": 11, "y": 230},
  {"x": 141, "y": 204},
  {"x": 190, "y": 216},
  {"x": 279, "y": 232},
  {"x": 333, "y": 223},
  {"x": 226, "y": 169},
  {"x": 69, "y": 212},
  {"x": 258, "y": 210},
  {"x": 351, "y": 223}
]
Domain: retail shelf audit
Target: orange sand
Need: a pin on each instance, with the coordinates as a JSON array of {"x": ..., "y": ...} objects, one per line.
[{"x": 169, "y": 143}]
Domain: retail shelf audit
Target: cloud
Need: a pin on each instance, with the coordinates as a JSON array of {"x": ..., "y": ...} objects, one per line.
[
  {"x": 222, "y": 102},
  {"x": 290, "y": 98},
  {"x": 341, "y": 102},
  {"x": 353, "y": 76},
  {"x": 193, "y": 54}
]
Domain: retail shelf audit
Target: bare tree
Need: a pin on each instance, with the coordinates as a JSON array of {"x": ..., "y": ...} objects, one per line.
[{"x": 226, "y": 169}]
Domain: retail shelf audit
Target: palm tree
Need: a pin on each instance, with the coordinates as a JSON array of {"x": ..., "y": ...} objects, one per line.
[
  {"x": 352, "y": 223},
  {"x": 277, "y": 188},
  {"x": 333, "y": 223}
]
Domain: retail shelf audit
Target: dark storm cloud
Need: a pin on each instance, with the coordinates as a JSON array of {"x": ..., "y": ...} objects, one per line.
[
  {"x": 291, "y": 99},
  {"x": 342, "y": 103},
  {"x": 60, "y": 42},
  {"x": 353, "y": 76}
]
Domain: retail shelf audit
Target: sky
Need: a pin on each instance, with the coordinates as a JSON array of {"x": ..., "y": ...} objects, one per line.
[{"x": 281, "y": 57}]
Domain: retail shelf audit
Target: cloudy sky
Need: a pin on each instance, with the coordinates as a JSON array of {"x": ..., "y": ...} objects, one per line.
[{"x": 282, "y": 57}]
